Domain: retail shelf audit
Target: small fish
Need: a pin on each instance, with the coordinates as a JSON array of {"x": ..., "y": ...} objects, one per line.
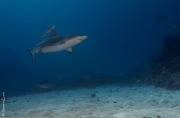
[
  {"x": 160, "y": 18},
  {"x": 44, "y": 84},
  {"x": 93, "y": 95},
  {"x": 177, "y": 27}
]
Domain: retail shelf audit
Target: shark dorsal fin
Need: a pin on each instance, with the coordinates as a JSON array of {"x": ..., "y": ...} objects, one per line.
[{"x": 53, "y": 33}]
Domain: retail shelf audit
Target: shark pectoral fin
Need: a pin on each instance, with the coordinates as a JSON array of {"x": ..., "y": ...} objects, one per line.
[{"x": 69, "y": 50}]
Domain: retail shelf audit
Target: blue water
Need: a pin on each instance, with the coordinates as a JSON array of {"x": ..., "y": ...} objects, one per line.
[{"x": 122, "y": 34}]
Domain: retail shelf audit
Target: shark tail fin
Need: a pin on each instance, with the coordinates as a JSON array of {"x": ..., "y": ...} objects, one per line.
[{"x": 32, "y": 54}]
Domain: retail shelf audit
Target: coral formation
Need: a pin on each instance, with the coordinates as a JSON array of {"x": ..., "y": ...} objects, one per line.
[{"x": 163, "y": 68}]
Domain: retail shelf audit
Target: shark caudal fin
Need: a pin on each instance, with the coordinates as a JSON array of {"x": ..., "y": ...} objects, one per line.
[{"x": 32, "y": 54}]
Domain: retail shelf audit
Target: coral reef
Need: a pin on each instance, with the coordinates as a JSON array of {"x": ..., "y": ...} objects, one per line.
[{"x": 163, "y": 67}]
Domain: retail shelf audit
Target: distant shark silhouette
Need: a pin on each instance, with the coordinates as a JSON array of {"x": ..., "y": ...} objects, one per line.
[
  {"x": 57, "y": 43},
  {"x": 44, "y": 84}
]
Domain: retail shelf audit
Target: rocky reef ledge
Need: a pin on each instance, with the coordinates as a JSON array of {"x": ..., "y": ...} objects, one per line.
[{"x": 162, "y": 68}]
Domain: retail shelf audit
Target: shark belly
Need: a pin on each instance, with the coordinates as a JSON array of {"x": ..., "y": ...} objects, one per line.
[{"x": 60, "y": 47}]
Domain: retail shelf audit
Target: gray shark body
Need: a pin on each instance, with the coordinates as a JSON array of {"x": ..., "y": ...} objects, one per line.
[{"x": 57, "y": 43}]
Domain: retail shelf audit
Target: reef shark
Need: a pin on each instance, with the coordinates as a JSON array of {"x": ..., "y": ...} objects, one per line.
[
  {"x": 57, "y": 43},
  {"x": 44, "y": 84},
  {"x": 47, "y": 31}
]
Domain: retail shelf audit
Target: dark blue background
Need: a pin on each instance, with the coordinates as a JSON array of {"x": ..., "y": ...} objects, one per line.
[{"x": 122, "y": 34}]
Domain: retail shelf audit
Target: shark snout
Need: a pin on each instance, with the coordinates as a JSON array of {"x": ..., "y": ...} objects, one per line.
[{"x": 82, "y": 37}]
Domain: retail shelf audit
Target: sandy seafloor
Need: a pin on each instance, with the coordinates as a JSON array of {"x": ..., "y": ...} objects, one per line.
[{"x": 111, "y": 101}]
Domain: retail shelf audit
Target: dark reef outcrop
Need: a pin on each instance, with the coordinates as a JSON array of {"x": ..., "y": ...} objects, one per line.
[
  {"x": 86, "y": 79},
  {"x": 163, "y": 68}
]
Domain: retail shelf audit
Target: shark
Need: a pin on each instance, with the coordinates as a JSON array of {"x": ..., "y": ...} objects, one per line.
[
  {"x": 48, "y": 29},
  {"x": 44, "y": 84},
  {"x": 57, "y": 43}
]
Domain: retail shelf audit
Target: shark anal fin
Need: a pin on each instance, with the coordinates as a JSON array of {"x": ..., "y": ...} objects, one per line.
[
  {"x": 53, "y": 33},
  {"x": 69, "y": 50}
]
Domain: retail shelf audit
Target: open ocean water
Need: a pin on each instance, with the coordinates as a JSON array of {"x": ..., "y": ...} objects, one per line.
[{"x": 87, "y": 77}]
